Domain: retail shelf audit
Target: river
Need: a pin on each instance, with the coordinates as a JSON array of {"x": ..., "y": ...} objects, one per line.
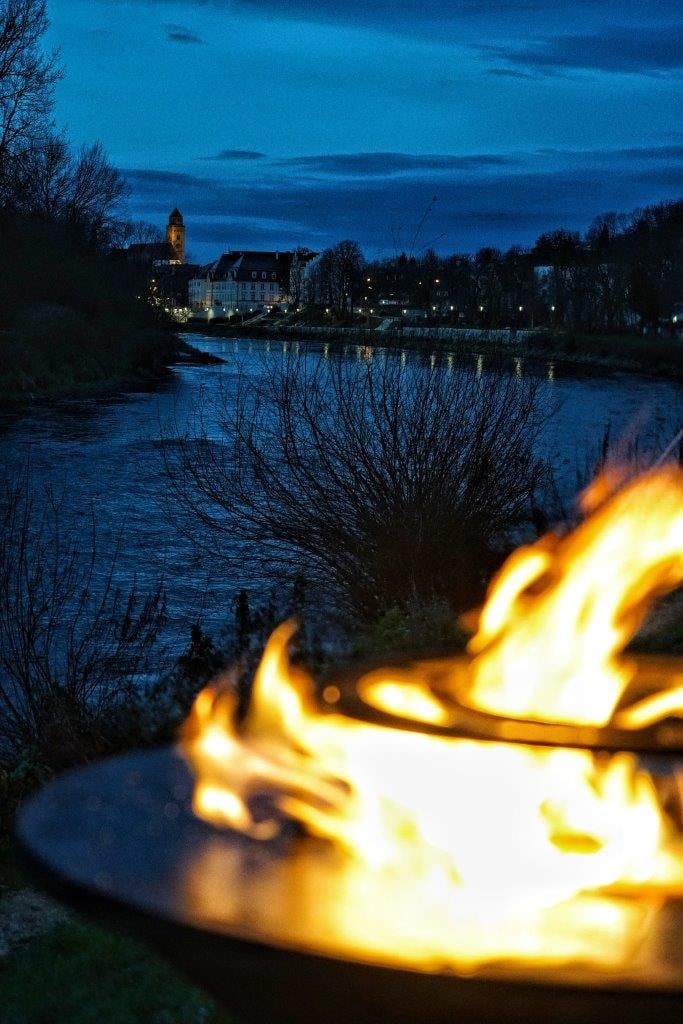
[{"x": 105, "y": 454}]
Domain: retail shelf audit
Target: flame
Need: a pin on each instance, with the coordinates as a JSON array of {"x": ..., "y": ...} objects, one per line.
[
  {"x": 560, "y": 612},
  {"x": 453, "y": 851}
]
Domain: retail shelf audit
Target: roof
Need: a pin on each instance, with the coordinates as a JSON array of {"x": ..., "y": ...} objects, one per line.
[
  {"x": 149, "y": 252},
  {"x": 176, "y": 215},
  {"x": 243, "y": 264}
]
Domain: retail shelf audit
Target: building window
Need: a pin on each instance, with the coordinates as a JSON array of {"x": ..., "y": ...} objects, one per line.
[
  {"x": 253, "y": 274},
  {"x": 273, "y": 277}
]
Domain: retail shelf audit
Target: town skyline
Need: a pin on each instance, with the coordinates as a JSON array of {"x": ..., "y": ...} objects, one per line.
[{"x": 311, "y": 123}]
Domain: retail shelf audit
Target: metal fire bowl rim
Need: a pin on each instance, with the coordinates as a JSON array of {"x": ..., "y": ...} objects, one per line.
[
  {"x": 665, "y": 738},
  {"x": 153, "y": 915}
]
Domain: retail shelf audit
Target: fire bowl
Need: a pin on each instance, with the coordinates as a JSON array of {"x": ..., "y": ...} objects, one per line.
[
  {"x": 264, "y": 926},
  {"x": 445, "y": 676}
]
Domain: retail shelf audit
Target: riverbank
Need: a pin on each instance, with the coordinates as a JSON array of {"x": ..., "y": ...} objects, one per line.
[
  {"x": 144, "y": 358},
  {"x": 651, "y": 357}
]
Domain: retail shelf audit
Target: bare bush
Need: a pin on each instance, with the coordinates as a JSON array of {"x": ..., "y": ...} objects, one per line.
[
  {"x": 385, "y": 483},
  {"x": 73, "y": 644}
]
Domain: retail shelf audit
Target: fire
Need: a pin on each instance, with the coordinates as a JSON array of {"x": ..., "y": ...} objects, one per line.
[
  {"x": 447, "y": 850},
  {"x": 560, "y": 612}
]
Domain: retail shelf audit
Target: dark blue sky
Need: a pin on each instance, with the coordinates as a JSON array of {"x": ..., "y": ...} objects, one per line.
[{"x": 284, "y": 122}]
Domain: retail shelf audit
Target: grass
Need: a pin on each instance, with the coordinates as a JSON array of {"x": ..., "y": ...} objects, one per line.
[{"x": 82, "y": 975}]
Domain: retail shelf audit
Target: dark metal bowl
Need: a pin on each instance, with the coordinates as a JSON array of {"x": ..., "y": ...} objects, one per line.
[
  {"x": 445, "y": 675},
  {"x": 118, "y": 841}
]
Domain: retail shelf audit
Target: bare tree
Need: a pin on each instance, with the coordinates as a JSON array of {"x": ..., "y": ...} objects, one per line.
[
  {"x": 73, "y": 644},
  {"x": 83, "y": 191},
  {"x": 384, "y": 482},
  {"x": 129, "y": 232},
  {"x": 96, "y": 189},
  {"x": 346, "y": 265},
  {"x": 27, "y": 76}
]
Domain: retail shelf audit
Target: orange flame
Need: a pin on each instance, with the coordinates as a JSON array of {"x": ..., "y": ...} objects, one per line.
[
  {"x": 560, "y": 612},
  {"x": 451, "y": 850}
]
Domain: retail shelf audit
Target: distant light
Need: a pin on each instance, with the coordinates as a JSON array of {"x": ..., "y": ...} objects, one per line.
[
  {"x": 452, "y": 308},
  {"x": 327, "y": 310},
  {"x": 552, "y": 309},
  {"x": 405, "y": 310},
  {"x": 521, "y": 309},
  {"x": 434, "y": 309},
  {"x": 372, "y": 311},
  {"x": 481, "y": 309},
  {"x": 437, "y": 281}
]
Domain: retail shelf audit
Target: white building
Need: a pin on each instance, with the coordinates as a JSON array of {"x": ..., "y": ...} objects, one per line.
[{"x": 242, "y": 282}]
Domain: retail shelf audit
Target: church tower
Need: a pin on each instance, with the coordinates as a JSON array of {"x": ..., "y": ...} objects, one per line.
[{"x": 175, "y": 234}]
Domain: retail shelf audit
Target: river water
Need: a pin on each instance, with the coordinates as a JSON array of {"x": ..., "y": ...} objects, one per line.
[{"x": 105, "y": 454}]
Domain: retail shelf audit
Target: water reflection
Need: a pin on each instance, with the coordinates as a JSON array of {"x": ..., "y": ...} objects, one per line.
[{"x": 109, "y": 451}]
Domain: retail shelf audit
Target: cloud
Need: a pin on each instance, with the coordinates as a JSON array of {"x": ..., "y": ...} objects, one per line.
[
  {"x": 436, "y": 20},
  {"x": 152, "y": 177},
  {"x": 509, "y": 73},
  {"x": 386, "y": 164},
  {"x": 180, "y": 34},
  {"x": 644, "y": 50},
  {"x": 632, "y": 154},
  {"x": 475, "y": 207},
  {"x": 236, "y": 154}
]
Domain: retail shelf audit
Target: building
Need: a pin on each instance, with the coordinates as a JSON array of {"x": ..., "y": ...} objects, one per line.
[
  {"x": 242, "y": 282},
  {"x": 151, "y": 254},
  {"x": 175, "y": 235},
  {"x": 159, "y": 254}
]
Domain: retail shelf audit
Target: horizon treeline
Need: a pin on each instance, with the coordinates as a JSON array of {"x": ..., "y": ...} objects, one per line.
[{"x": 625, "y": 271}]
